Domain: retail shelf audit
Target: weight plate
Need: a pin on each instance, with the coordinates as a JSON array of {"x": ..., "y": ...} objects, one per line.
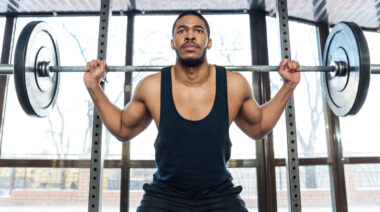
[
  {"x": 346, "y": 93},
  {"x": 36, "y": 93}
]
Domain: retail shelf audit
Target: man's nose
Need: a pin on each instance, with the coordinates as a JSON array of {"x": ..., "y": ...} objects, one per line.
[{"x": 190, "y": 36}]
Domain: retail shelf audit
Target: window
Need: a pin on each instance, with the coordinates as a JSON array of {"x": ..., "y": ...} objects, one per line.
[{"x": 66, "y": 132}]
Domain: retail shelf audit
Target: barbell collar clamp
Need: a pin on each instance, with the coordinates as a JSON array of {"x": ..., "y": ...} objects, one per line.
[{"x": 341, "y": 68}]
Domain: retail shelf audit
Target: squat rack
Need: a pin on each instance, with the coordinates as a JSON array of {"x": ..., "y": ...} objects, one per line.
[{"x": 125, "y": 159}]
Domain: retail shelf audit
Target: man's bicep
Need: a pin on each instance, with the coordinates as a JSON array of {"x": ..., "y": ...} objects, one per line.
[
  {"x": 135, "y": 115},
  {"x": 249, "y": 117},
  {"x": 134, "y": 119}
]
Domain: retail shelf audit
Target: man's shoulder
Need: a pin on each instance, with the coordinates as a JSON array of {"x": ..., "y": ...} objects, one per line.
[
  {"x": 235, "y": 77},
  {"x": 149, "y": 85},
  {"x": 151, "y": 79},
  {"x": 238, "y": 85}
]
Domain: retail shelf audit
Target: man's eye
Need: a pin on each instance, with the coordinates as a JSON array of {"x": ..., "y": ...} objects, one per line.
[
  {"x": 181, "y": 31},
  {"x": 199, "y": 31}
]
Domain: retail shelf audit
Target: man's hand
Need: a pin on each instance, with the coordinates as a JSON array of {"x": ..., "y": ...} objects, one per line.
[
  {"x": 97, "y": 71},
  {"x": 289, "y": 72}
]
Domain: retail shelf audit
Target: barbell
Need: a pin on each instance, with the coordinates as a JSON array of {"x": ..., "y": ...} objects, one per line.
[{"x": 346, "y": 70}]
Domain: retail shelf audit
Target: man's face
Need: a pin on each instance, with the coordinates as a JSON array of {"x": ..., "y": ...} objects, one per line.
[{"x": 190, "y": 40}]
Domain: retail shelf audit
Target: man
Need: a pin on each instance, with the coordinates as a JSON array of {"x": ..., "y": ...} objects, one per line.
[{"x": 192, "y": 103}]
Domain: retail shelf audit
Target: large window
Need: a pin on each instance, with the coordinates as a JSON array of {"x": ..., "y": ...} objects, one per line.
[
  {"x": 359, "y": 132},
  {"x": 66, "y": 132},
  {"x": 310, "y": 123},
  {"x": 359, "y": 139},
  {"x": 311, "y": 136}
]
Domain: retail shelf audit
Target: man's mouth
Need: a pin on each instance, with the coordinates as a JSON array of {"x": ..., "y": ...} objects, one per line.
[{"x": 190, "y": 46}]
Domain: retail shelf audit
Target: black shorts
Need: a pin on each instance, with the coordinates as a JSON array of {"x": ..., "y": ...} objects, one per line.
[{"x": 154, "y": 200}]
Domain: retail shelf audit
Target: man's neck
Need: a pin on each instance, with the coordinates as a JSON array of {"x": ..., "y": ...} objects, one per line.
[{"x": 192, "y": 76}]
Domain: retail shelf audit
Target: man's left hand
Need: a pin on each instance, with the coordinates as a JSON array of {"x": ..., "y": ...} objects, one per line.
[{"x": 289, "y": 72}]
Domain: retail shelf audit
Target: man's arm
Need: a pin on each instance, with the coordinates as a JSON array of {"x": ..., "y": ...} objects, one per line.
[
  {"x": 257, "y": 121},
  {"x": 123, "y": 124}
]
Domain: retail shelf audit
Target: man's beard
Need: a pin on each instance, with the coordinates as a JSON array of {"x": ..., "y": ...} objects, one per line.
[{"x": 191, "y": 62}]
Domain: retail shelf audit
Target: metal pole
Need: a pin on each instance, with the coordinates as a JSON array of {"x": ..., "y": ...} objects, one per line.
[
  {"x": 375, "y": 69},
  {"x": 97, "y": 155},
  {"x": 292, "y": 164},
  {"x": 5, "y": 58},
  {"x": 6, "y": 69}
]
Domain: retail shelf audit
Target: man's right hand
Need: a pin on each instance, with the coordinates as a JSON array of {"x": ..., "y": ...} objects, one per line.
[{"x": 97, "y": 71}]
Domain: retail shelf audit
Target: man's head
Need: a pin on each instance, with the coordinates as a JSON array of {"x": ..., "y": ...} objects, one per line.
[
  {"x": 191, "y": 12},
  {"x": 191, "y": 38}
]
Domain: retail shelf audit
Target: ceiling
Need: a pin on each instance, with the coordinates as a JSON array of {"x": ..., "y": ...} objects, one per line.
[{"x": 366, "y": 13}]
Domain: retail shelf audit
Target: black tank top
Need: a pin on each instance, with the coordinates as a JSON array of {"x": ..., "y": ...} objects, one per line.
[{"x": 191, "y": 155}]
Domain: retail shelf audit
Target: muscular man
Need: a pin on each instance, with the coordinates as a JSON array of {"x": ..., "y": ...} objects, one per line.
[{"x": 192, "y": 103}]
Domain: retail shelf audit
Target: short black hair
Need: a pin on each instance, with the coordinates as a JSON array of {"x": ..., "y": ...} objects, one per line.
[{"x": 192, "y": 12}]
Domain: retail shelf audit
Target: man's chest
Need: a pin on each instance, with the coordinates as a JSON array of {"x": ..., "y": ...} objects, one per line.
[{"x": 193, "y": 105}]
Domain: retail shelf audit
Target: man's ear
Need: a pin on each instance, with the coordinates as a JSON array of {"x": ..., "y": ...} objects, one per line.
[
  {"x": 209, "y": 44},
  {"x": 172, "y": 44}
]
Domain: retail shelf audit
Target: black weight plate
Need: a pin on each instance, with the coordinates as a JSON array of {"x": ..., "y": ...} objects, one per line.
[
  {"x": 346, "y": 94},
  {"x": 37, "y": 94}
]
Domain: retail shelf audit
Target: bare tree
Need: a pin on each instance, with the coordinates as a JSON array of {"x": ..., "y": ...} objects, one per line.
[{"x": 61, "y": 142}]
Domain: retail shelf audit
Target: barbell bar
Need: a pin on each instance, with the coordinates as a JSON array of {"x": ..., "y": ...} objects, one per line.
[
  {"x": 6, "y": 69},
  {"x": 346, "y": 70}
]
